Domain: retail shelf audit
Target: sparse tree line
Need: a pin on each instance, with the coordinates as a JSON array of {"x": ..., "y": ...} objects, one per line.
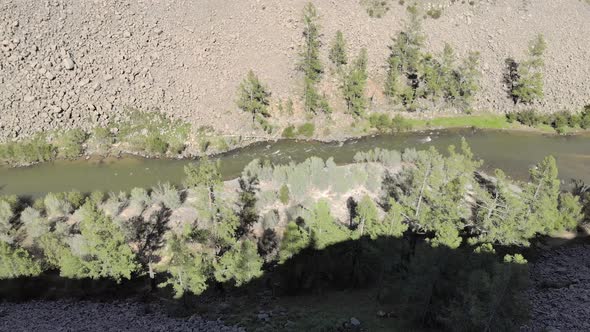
[{"x": 416, "y": 80}]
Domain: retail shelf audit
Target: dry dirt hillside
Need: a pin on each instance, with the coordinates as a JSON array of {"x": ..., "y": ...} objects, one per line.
[{"x": 78, "y": 63}]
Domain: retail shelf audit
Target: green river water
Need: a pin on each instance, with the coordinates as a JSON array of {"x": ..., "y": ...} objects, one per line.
[{"x": 514, "y": 152}]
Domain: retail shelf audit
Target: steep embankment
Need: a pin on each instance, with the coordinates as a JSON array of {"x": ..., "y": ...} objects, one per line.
[
  {"x": 66, "y": 63},
  {"x": 93, "y": 316},
  {"x": 560, "y": 290}
]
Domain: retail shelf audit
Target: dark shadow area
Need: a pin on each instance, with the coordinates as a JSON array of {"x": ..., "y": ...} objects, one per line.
[{"x": 414, "y": 284}]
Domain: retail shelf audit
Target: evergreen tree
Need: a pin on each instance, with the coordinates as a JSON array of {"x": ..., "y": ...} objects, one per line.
[
  {"x": 6, "y": 216},
  {"x": 529, "y": 86},
  {"x": 254, "y": 97},
  {"x": 468, "y": 80},
  {"x": 16, "y": 262},
  {"x": 323, "y": 228},
  {"x": 206, "y": 174},
  {"x": 393, "y": 224},
  {"x": 500, "y": 216},
  {"x": 354, "y": 85},
  {"x": 294, "y": 240},
  {"x": 187, "y": 269},
  {"x": 541, "y": 195},
  {"x": 338, "y": 50},
  {"x": 570, "y": 211},
  {"x": 240, "y": 264},
  {"x": 106, "y": 254},
  {"x": 311, "y": 65},
  {"x": 366, "y": 217},
  {"x": 404, "y": 61}
]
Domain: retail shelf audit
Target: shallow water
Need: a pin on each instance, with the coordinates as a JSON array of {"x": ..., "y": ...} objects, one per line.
[{"x": 514, "y": 152}]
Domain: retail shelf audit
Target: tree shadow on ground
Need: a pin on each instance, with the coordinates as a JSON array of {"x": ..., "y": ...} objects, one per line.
[{"x": 424, "y": 287}]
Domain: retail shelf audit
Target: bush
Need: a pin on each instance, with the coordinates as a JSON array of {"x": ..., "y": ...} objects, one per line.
[
  {"x": 560, "y": 120},
  {"x": 168, "y": 195},
  {"x": 155, "y": 144},
  {"x": 381, "y": 122},
  {"x": 585, "y": 118},
  {"x": 400, "y": 124},
  {"x": 284, "y": 194},
  {"x": 434, "y": 13},
  {"x": 376, "y": 8},
  {"x": 529, "y": 118},
  {"x": 56, "y": 206},
  {"x": 27, "y": 152},
  {"x": 69, "y": 143},
  {"x": 289, "y": 132},
  {"x": 306, "y": 129}
]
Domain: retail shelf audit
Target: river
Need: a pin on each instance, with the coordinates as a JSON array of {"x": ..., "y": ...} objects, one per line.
[{"x": 514, "y": 152}]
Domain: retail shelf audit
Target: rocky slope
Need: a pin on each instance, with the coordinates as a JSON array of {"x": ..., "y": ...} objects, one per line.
[
  {"x": 94, "y": 316},
  {"x": 560, "y": 290},
  {"x": 67, "y": 63}
]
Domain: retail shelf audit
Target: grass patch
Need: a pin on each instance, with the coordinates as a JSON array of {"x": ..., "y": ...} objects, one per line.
[
  {"x": 306, "y": 129},
  {"x": 153, "y": 132},
  {"x": 483, "y": 121}
]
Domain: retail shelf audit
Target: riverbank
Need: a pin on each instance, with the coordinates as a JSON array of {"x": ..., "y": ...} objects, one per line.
[
  {"x": 500, "y": 149},
  {"x": 155, "y": 136}
]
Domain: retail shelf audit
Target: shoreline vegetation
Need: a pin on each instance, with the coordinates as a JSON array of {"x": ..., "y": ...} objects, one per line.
[
  {"x": 153, "y": 135},
  {"x": 400, "y": 224}
]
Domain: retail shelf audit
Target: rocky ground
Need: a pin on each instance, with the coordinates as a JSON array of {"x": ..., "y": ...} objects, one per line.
[
  {"x": 66, "y": 63},
  {"x": 91, "y": 316},
  {"x": 560, "y": 291}
]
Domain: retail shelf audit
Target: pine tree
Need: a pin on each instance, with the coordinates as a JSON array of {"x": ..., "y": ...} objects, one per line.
[
  {"x": 107, "y": 255},
  {"x": 294, "y": 240},
  {"x": 6, "y": 216},
  {"x": 468, "y": 80},
  {"x": 240, "y": 264},
  {"x": 323, "y": 228},
  {"x": 205, "y": 174},
  {"x": 500, "y": 216},
  {"x": 338, "y": 50},
  {"x": 354, "y": 85},
  {"x": 311, "y": 65},
  {"x": 529, "y": 86},
  {"x": 366, "y": 217},
  {"x": 253, "y": 97},
  {"x": 187, "y": 269},
  {"x": 404, "y": 61},
  {"x": 570, "y": 211},
  {"x": 542, "y": 195},
  {"x": 393, "y": 224},
  {"x": 16, "y": 262}
]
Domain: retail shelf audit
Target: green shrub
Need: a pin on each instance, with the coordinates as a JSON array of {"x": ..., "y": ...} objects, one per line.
[
  {"x": 381, "y": 122},
  {"x": 69, "y": 143},
  {"x": 289, "y": 132},
  {"x": 306, "y": 129},
  {"x": 167, "y": 194},
  {"x": 434, "y": 13},
  {"x": 585, "y": 118},
  {"x": 560, "y": 120},
  {"x": 27, "y": 152},
  {"x": 155, "y": 145},
  {"x": 529, "y": 118},
  {"x": 512, "y": 117},
  {"x": 284, "y": 195},
  {"x": 376, "y": 8},
  {"x": 400, "y": 124}
]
